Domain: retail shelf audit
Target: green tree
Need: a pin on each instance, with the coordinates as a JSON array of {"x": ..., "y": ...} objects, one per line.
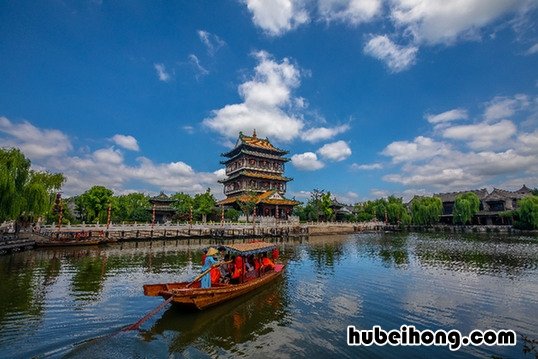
[
  {"x": 183, "y": 203},
  {"x": 231, "y": 214},
  {"x": 247, "y": 203},
  {"x": 365, "y": 211},
  {"x": 204, "y": 203},
  {"x": 132, "y": 207},
  {"x": 465, "y": 207},
  {"x": 527, "y": 213},
  {"x": 94, "y": 204},
  {"x": 426, "y": 210},
  {"x": 22, "y": 190},
  {"x": 325, "y": 208},
  {"x": 396, "y": 211}
]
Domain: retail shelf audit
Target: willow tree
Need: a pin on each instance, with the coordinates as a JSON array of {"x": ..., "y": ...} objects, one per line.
[
  {"x": 527, "y": 213},
  {"x": 426, "y": 210},
  {"x": 24, "y": 192},
  {"x": 465, "y": 207}
]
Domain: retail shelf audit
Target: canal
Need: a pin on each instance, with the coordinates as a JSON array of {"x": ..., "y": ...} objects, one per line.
[{"x": 71, "y": 302}]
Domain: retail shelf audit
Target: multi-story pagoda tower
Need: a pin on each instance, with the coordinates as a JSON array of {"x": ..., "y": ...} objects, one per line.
[{"x": 255, "y": 170}]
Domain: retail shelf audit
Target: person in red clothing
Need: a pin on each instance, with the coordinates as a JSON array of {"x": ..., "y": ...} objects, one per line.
[
  {"x": 267, "y": 263},
  {"x": 238, "y": 270},
  {"x": 275, "y": 254}
]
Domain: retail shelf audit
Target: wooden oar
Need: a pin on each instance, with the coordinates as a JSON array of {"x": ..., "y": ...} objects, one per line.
[{"x": 137, "y": 325}]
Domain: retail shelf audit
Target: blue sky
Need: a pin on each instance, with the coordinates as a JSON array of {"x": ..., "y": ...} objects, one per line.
[{"x": 371, "y": 97}]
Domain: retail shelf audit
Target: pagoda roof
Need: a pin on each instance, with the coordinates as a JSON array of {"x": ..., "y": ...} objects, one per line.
[
  {"x": 255, "y": 143},
  {"x": 267, "y": 197},
  {"x": 162, "y": 197},
  {"x": 260, "y": 175},
  {"x": 255, "y": 154}
]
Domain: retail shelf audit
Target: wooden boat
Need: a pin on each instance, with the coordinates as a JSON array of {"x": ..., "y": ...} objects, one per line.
[{"x": 195, "y": 298}]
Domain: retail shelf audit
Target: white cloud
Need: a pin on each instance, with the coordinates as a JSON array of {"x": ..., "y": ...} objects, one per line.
[
  {"x": 503, "y": 107},
  {"x": 307, "y": 161},
  {"x": 421, "y": 148},
  {"x": 483, "y": 135},
  {"x": 336, "y": 151},
  {"x": 277, "y": 16},
  {"x": 397, "y": 58},
  {"x": 51, "y": 150},
  {"x": 323, "y": 133},
  {"x": 533, "y": 50},
  {"x": 448, "y": 116},
  {"x": 497, "y": 153},
  {"x": 198, "y": 68},
  {"x": 267, "y": 101},
  {"x": 349, "y": 11},
  {"x": 34, "y": 142},
  {"x": 126, "y": 141},
  {"x": 439, "y": 21},
  {"x": 366, "y": 167},
  {"x": 212, "y": 42},
  {"x": 162, "y": 74}
]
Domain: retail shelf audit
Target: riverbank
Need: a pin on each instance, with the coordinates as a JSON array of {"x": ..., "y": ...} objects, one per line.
[{"x": 80, "y": 235}]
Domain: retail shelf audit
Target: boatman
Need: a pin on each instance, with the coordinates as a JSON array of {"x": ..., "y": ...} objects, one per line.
[{"x": 209, "y": 261}]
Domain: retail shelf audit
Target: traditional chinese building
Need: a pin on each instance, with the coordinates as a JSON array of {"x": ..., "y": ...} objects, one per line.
[
  {"x": 161, "y": 208},
  {"x": 255, "y": 175}
]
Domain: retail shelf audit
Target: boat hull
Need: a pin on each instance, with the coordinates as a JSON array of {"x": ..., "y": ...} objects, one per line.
[{"x": 196, "y": 298}]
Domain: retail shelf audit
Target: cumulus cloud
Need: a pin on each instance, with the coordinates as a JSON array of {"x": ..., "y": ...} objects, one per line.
[
  {"x": 482, "y": 135},
  {"x": 278, "y": 16},
  {"x": 266, "y": 103},
  {"x": 162, "y": 74},
  {"x": 434, "y": 22},
  {"x": 396, "y": 57},
  {"x": 503, "y": 107},
  {"x": 349, "y": 11},
  {"x": 421, "y": 148},
  {"x": 307, "y": 161},
  {"x": 36, "y": 143},
  {"x": 211, "y": 41},
  {"x": 52, "y": 150},
  {"x": 323, "y": 133},
  {"x": 336, "y": 151},
  {"x": 448, "y": 116},
  {"x": 126, "y": 141},
  {"x": 470, "y": 155}
]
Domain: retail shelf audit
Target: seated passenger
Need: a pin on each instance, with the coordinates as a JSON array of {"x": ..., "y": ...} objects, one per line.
[
  {"x": 225, "y": 270},
  {"x": 267, "y": 263}
]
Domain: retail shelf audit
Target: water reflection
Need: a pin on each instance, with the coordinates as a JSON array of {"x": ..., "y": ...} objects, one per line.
[{"x": 52, "y": 299}]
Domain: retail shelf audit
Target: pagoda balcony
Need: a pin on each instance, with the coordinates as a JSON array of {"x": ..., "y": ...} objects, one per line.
[{"x": 255, "y": 168}]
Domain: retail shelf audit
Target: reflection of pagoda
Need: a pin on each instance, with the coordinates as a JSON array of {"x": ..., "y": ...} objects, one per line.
[
  {"x": 163, "y": 208},
  {"x": 255, "y": 171}
]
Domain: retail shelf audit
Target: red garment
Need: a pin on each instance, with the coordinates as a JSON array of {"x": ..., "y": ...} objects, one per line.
[
  {"x": 215, "y": 275},
  {"x": 256, "y": 264},
  {"x": 275, "y": 254},
  {"x": 203, "y": 258},
  {"x": 268, "y": 263},
  {"x": 238, "y": 267}
]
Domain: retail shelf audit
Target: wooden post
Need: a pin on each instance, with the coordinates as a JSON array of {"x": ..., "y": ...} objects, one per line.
[
  {"x": 108, "y": 215},
  {"x": 221, "y": 215},
  {"x": 153, "y": 216}
]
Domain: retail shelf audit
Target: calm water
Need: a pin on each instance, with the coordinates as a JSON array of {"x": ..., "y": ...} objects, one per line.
[{"x": 68, "y": 302}]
